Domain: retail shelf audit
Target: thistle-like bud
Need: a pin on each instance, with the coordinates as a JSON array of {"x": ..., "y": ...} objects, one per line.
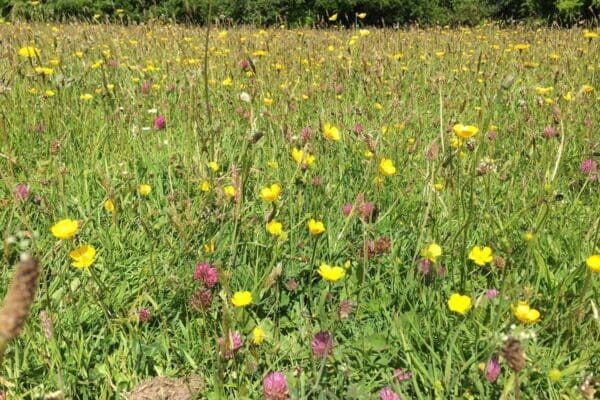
[{"x": 19, "y": 298}]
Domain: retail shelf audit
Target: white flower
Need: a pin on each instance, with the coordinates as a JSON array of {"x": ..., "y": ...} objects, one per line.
[{"x": 245, "y": 97}]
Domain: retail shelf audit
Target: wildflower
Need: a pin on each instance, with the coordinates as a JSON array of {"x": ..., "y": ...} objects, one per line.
[
  {"x": 322, "y": 344},
  {"x": 459, "y": 303},
  {"x": 402, "y": 375},
  {"x": 245, "y": 97},
  {"x": 362, "y": 15},
  {"x": 315, "y": 227},
  {"x": 231, "y": 346},
  {"x": 270, "y": 194},
  {"x": 44, "y": 71},
  {"x": 431, "y": 252},
  {"x": 593, "y": 263},
  {"x": 333, "y": 18},
  {"x": 275, "y": 228},
  {"x": 160, "y": 122},
  {"x": 267, "y": 102},
  {"x": 29, "y": 52},
  {"x": 543, "y": 91},
  {"x": 491, "y": 293},
  {"x": 227, "y": 82},
  {"x": 368, "y": 211},
  {"x": 207, "y": 274},
  {"x": 522, "y": 46},
  {"x": 386, "y": 167},
  {"x": 22, "y": 191},
  {"x": 347, "y": 209},
  {"x": 524, "y": 313},
  {"x": 143, "y": 314},
  {"x": 588, "y": 167},
  {"x": 589, "y": 34},
  {"x": 528, "y": 236},
  {"x": 209, "y": 247},
  {"x": 302, "y": 157},
  {"x": 229, "y": 191},
  {"x": 258, "y": 335},
  {"x": 481, "y": 255},
  {"x": 86, "y": 97},
  {"x": 554, "y": 374},
  {"x": 213, "y": 166},
  {"x": 83, "y": 256},
  {"x": 331, "y": 132},
  {"x": 465, "y": 131},
  {"x": 273, "y": 164},
  {"x": 144, "y": 189},
  {"x": 241, "y": 299},
  {"x": 205, "y": 186},
  {"x": 275, "y": 386},
  {"x": 331, "y": 274},
  {"x": 549, "y": 132},
  {"x": 65, "y": 228},
  {"x": 587, "y": 89},
  {"x": 201, "y": 300},
  {"x": 492, "y": 369},
  {"x": 388, "y": 394},
  {"x": 109, "y": 205}
]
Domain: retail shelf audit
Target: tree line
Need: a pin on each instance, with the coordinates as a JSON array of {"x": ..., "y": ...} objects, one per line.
[{"x": 308, "y": 12}]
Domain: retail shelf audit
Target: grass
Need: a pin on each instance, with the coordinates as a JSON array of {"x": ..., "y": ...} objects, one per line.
[{"x": 393, "y": 94}]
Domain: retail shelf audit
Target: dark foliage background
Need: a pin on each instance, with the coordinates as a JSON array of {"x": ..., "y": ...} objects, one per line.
[{"x": 310, "y": 12}]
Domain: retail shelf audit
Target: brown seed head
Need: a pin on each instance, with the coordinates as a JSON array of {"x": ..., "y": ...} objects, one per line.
[
  {"x": 513, "y": 354},
  {"x": 19, "y": 298}
]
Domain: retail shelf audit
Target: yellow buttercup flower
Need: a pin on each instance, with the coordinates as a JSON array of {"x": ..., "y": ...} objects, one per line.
[
  {"x": 481, "y": 255},
  {"x": 205, "y": 186},
  {"x": 83, "y": 256},
  {"x": 65, "y": 228},
  {"x": 213, "y": 166},
  {"x": 333, "y": 18},
  {"x": 362, "y": 15},
  {"x": 432, "y": 252},
  {"x": 331, "y": 132},
  {"x": 144, "y": 189},
  {"x": 543, "y": 91},
  {"x": 386, "y": 167},
  {"x": 258, "y": 335},
  {"x": 459, "y": 303},
  {"x": 275, "y": 228},
  {"x": 229, "y": 191},
  {"x": 524, "y": 313},
  {"x": 522, "y": 46},
  {"x": 315, "y": 227},
  {"x": 302, "y": 157},
  {"x": 593, "y": 263},
  {"x": 270, "y": 194},
  {"x": 241, "y": 299},
  {"x": 209, "y": 247},
  {"x": 109, "y": 205},
  {"x": 331, "y": 274},
  {"x": 29, "y": 52},
  {"x": 465, "y": 131},
  {"x": 44, "y": 71}
]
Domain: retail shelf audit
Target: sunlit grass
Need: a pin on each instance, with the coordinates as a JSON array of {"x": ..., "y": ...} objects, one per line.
[{"x": 363, "y": 201}]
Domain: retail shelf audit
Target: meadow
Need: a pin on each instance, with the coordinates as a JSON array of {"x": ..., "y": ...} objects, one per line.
[{"x": 352, "y": 213}]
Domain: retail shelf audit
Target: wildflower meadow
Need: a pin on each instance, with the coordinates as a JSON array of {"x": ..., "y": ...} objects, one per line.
[{"x": 291, "y": 213}]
